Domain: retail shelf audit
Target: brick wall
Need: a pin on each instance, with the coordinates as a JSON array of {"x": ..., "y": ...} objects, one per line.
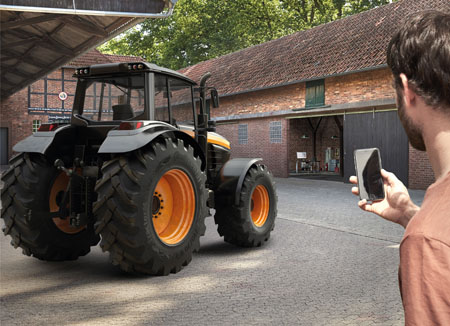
[
  {"x": 363, "y": 86},
  {"x": 274, "y": 154},
  {"x": 14, "y": 110},
  {"x": 420, "y": 172},
  {"x": 274, "y": 99},
  {"x": 14, "y": 116}
]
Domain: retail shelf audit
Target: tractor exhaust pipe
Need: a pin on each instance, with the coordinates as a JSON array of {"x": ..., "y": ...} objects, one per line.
[{"x": 202, "y": 128}]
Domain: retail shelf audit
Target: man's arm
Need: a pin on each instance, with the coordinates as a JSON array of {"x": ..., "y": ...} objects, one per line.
[
  {"x": 396, "y": 207},
  {"x": 425, "y": 280}
]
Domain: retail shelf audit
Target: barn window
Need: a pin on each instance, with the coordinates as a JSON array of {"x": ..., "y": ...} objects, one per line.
[
  {"x": 243, "y": 134},
  {"x": 315, "y": 93},
  {"x": 36, "y": 125},
  {"x": 275, "y": 132}
]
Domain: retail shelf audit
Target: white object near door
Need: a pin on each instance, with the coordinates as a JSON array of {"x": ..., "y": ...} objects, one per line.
[{"x": 300, "y": 156}]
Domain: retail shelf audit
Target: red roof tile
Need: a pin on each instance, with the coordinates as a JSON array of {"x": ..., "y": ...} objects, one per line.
[
  {"x": 350, "y": 44},
  {"x": 96, "y": 57}
]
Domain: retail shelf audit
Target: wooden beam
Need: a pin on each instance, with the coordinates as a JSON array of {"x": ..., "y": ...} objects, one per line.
[
  {"x": 341, "y": 143},
  {"x": 8, "y": 58},
  {"x": 338, "y": 123},
  {"x": 85, "y": 44},
  {"x": 28, "y": 21},
  {"x": 314, "y": 130},
  {"x": 45, "y": 39},
  {"x": 24, "y": 41},
  {"x": 25, "y": 58},
  {"x": 84, "y": 25},
  {"x": 6, "y": 81},
  {"x": 14, "y": 71},
  {"x": 119, "y": 22}
]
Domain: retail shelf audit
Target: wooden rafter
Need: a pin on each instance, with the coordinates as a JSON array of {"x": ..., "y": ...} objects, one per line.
[
  {"x": 7, "y": 81},
  {"x": 49, "y": 42},
  {"x": 28, "y": 21},
  {"x": 116, "y": 24},
  {"x": 24, "y": 41},
  {"x": 14, "y": 71},
  {"x": 85, "y": 26},
  {"x": 28, "y": 41},
  {"x": 45, "y": 40},
  {"x": 25, "y": 58}
]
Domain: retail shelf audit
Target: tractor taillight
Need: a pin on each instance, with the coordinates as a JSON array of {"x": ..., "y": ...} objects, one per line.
[
  {"x": 48, "y": 127},
  {"x": 131, "y": 125},
  {"x": 135, "y": 66}
]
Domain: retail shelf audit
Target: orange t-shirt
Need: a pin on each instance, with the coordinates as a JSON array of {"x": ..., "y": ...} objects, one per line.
[{"x": 425, "y": 260}]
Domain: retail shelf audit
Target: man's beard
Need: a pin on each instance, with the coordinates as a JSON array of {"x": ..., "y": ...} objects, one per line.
[{"x": 413, "y": 132}]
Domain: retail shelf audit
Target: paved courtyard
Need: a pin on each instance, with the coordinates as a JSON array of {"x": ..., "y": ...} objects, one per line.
[{"x": 327, "y": 263}]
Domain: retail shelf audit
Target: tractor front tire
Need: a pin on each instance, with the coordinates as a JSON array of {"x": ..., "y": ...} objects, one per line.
[
  {"x": 33, "y": 187},
  {"x": 151, "y": 207},
  {"x": 249, "y": 223}
]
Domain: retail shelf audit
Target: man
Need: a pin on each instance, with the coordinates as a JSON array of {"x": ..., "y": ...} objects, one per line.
[{"x": 419, "y": 57}]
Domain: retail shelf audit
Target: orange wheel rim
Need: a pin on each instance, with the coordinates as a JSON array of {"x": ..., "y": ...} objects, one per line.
[
  {"x": 173, "y": 207},
  {"x": 56, "y": 194},
  {"x": 260, "y": 205}
]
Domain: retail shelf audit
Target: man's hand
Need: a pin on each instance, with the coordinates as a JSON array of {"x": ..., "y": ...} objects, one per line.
[{"x": 396, "y": 207}]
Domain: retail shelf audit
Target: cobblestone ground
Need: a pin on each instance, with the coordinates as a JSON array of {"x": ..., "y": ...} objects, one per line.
[{"x": 327, "y": 263}]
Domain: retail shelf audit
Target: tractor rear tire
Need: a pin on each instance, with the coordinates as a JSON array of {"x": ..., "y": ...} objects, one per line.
[
  {"x": 151, "y": 207},
  {"x": 248, "y": 224},
  {"x": 31, "y": 186}
]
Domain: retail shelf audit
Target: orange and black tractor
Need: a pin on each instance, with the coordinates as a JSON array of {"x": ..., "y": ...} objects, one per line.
[{"x": 138, "y": 169}]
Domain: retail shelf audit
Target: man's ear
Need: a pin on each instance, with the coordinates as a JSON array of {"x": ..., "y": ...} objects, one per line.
[{"x": 409, "y": 96}]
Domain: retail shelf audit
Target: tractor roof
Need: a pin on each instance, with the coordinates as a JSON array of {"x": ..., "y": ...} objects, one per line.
[{"x": 127, "y": 67}]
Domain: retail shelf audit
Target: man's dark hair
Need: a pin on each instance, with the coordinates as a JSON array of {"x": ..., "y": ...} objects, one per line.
[{"x": 421, "y": 50}]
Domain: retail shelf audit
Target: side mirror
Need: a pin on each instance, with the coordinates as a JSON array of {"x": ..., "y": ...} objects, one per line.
[{"x": 214, "y": 98}]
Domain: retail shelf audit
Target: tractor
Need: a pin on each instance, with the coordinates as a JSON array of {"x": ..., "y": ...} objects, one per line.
[{"x": 137, "y": 168}]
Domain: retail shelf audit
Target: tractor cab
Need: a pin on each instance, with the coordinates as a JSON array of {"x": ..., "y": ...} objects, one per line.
[{"x": 112, "y": 93}]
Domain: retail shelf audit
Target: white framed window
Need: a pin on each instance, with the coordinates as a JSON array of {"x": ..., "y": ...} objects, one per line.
[
  {"x": 36, "y": 125},
  {"x": 243, "y": 134},
  {"x": 275, "y": 132}
]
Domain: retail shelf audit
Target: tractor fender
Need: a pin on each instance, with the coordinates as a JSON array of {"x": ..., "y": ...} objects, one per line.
[
  {"x": 232, "y": 174},
  {"x": 123, "y": 141},
  {"x": 40, "y": 141}
]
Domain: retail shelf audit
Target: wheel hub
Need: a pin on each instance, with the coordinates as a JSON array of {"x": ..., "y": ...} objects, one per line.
[
  {"x": 57, "y": 190},
  {"x": 260, "y": 205},
  {"x": 173, "y": 206},
  {"x": 157, "y": 205}
]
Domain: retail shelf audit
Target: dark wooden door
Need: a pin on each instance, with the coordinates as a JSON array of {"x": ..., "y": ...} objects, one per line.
[{"x": 382, "y": 130}]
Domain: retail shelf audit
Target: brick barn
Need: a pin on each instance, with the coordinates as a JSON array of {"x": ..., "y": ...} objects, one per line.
[
  {"x": 22, "y": 113},
  {"x": 324, "y": 92}
]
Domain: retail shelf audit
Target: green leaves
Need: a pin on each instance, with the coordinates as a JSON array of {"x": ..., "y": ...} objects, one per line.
[{"x": 200, "y": 30}]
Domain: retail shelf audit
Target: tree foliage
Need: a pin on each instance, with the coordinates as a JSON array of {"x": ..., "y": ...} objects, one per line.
[{"x": 200, "y": 30}]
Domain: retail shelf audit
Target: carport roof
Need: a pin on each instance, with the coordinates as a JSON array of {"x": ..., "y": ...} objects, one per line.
[
  {"x": 352, "y": 44},
  {"x": 39, "y": 36}
]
